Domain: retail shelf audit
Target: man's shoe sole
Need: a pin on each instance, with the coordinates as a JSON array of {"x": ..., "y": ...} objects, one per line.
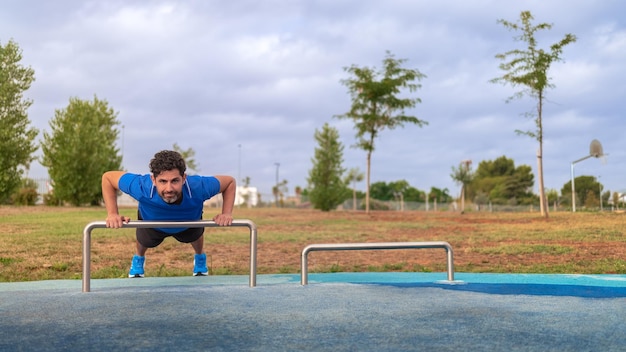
[
  {"x": 136, "y": 275},
  {"x": 201, "y": 274}
]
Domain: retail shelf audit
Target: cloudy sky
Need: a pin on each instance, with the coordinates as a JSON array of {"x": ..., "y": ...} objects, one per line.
[{"x": 247, "y": 83}]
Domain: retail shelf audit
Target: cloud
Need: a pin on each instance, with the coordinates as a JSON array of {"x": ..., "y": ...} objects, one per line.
[{"x": 247, "y": 83}]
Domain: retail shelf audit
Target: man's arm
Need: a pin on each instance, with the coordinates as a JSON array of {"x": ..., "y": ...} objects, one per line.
[
  {"x": 110, "y": 186},
  {"x": 228, "y": 186}
]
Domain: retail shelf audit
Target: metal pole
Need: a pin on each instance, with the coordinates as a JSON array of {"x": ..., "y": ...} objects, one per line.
[
  {"x": 573, "y": 188},
  {"x": 239, "y": 166},
  {"x": 600, "y": 186},
  {"x": 277, "y": 166},
  {"x": 573, "y": 191},
  {"x": 166, "y": 224}
]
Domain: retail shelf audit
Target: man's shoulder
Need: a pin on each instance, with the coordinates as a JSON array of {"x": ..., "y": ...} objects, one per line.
[
  {"x": 129, "y": 178},
  {"x": 134, "y": 175},
  {"x": 199, "y": 178},
  {"x": 207, "y": 185}
]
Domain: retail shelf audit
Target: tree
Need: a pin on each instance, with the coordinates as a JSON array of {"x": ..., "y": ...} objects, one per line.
[
  {"x": 616, "y": 199},
  {"x": 80, "y": 148},
  {"x": 279, "y": 190},
  {"x": 592, "y": 200},
  {"x": 409, "y": 193},
  {"x": 328, "y": 190},
  {"x": 439, "y": 195},
  {"x": 553, "y": 197},
  {"x": 298, "y": 191},
  {"x": 354, "y": 175},
  {"x": 463, "y": 176},
  {"x": 529, "y": 68},
  {"x": 381, "y": 191},
  {"x": 503, "y": 182},
  {"x": 376, "y": 105},
  {"x": 17, "y": 138},
  {"x": 585, "y": 185},
  {"x": 399, "y": 191},
  {"x": 188, "y": 155}
]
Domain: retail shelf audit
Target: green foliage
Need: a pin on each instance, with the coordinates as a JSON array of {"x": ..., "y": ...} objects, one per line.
[
  {"x": 376, "y": 105},
  {"x": 80, "y": 148},
  {"x": 462, "y": 174},
  {"x": 16, "y": 137},
  {"x": 7, "y": 261},
  {"x": 502, "y": 182},
  {"x": 392, "y": 191},
  {"x": 439, "y": 195},
  {"x": 381, "y": 190},
  {"x": 327, "y": 189}
]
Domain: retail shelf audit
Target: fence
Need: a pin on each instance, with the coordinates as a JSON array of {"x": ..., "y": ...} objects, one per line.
[{"x": 268, "y": 201}]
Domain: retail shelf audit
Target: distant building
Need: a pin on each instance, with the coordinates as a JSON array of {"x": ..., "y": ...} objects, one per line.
[{"x": 246, "y": 196}]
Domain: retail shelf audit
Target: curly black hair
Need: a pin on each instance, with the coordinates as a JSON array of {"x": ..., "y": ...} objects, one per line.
[{"x": 166, "y": 160}]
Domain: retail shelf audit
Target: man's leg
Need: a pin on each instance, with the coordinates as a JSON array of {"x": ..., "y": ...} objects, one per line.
[
  {"x": 136, "y": 267},
  {"x": 141, "y": 250},
  {"x": 198, "y": 245},
  {"x": 150, "y": 238}
]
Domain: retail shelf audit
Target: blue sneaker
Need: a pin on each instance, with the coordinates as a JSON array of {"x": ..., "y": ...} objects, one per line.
[
  {"x": 136, "y": 268},
  {"x": 199, "y": 265}
]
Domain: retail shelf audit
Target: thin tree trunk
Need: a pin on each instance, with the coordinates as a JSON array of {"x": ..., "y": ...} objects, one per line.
[
  {"x": 543, "y": 204},
  {"x": 463, "y": 199},
  {"x": 542, "y": 193},
  {"x": 367, "y": 189}
]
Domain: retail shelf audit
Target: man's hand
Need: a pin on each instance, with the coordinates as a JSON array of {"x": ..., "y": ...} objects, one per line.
[
  {"x": 223, "y": 219},
  {"x": 115, "y": 221}
]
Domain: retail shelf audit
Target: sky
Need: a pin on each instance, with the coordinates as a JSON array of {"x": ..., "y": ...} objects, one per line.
[{"x": 246, "y": 84}]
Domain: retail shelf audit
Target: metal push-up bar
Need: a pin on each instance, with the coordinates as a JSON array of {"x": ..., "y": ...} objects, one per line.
[
  {"x": 383, "y": 245},
  {"x": 165, "y": 224}
]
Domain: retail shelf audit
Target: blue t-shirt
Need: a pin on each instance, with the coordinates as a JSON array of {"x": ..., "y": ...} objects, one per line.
[{"x": 152, "y": 207}]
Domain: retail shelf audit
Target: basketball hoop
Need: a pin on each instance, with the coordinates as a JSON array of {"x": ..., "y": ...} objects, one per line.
[{"x": 595, "y": 151}]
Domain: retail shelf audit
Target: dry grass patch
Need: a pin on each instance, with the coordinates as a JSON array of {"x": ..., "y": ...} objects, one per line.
[{"x": 46, "y": 243}]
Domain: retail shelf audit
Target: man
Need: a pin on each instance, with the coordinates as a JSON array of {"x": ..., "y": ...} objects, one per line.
[{"x": 167, "y": 194}]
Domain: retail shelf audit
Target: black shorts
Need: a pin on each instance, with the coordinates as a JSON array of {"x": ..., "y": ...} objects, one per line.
[{"x": 151, "y": 238}]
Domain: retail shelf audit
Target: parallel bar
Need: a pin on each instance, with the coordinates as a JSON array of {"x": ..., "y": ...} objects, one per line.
[
  {"x": 165, "y": 224},
  {"x": 382, "y": 245}
]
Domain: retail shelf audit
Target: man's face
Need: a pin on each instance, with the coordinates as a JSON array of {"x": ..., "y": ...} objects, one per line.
[{"x": 169, "y": 185}]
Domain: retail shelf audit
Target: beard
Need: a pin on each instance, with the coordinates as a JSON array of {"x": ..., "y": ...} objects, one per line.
[{"x": 170, "y": 197}]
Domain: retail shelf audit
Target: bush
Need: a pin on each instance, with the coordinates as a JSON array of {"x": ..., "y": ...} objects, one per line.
[
  {"x": 25, "y": 196},
  {"x": 51, "y": 200}
]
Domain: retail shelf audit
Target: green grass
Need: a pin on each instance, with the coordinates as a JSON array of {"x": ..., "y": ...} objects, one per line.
[{"x": 41, "y": 243}]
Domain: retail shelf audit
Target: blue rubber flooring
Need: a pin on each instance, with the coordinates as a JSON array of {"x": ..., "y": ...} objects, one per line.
[{"x": 334, "y": 312}]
